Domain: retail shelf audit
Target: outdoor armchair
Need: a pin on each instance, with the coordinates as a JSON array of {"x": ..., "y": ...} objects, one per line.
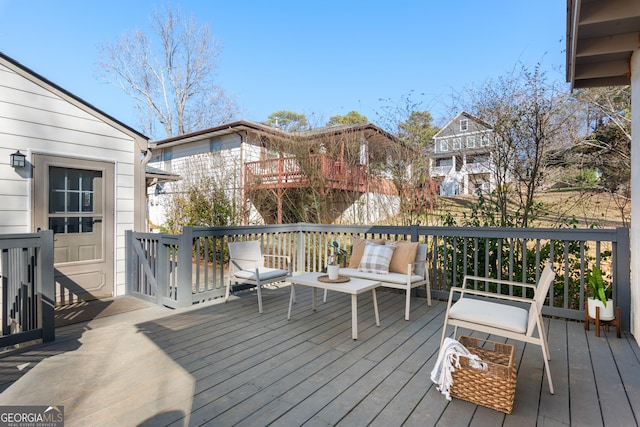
[
  {"x": 498, "y": 314},
  {"x": 246, "y": 266}
]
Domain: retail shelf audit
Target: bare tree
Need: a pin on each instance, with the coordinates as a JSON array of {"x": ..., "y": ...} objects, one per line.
[
  {"x": 607, "y": 147},
  {"x": 170, "y": 76},
  {"x": 407, "y": 162},
  {"x": 529, "y": 115},
  {"x": 205, "y": 196}
]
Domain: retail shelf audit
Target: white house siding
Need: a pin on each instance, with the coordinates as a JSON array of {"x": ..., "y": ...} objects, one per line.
[
  {"x": 371, "y": 208},
  {"x": 38, "y": 118},
  {"x": 223, "y": 155}
]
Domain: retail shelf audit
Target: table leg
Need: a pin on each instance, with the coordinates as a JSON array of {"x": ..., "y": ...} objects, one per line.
[
  {"x": 313, "y": 298},
  {"x": 375, "y": 307},
  {"x": 291, "y": 297},
  {"x": 354, "y": 316}
]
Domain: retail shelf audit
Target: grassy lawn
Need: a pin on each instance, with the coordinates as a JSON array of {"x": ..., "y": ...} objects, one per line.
[{"x": 599, "y": 210}]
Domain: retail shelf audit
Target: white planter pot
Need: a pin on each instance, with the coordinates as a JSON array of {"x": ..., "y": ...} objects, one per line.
[
  {"x": 606, "y": 313},
  {"x": 333, "y": 271}
]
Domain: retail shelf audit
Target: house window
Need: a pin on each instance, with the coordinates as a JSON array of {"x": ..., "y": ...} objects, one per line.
[
  {"x": 444, "y": 162},
  {"x": 444, "y": 145},
  {"x": 477, "y": 159},
  {"x": 471, "y": 142},
  {"x": 464, "y": 125},
  {"x": 484, "y": 142},
  {"x": 167, "y": 155},
  {"x": 457, "y": 143}
]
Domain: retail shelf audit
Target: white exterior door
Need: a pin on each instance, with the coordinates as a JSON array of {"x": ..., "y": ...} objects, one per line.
[{"x": 75, "y": 199}]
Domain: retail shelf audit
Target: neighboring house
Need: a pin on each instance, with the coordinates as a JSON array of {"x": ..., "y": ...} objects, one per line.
[
  {"x": 83, "y": 177},
  {"x": 461, "y": 162},
  {"x": 267, "y": 182}
]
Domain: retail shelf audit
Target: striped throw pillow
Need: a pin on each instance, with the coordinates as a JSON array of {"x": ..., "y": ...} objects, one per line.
[{"x": 376, "y": 258}]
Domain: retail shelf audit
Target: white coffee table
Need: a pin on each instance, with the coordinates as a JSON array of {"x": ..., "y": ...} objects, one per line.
[{"x": 354, "y": 287}]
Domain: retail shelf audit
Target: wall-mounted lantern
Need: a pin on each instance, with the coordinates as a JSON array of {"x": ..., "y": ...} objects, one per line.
[{"x": 18, "y": 159}]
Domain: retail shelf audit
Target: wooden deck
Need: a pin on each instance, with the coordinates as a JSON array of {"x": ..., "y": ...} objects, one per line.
[{"x": 225, "y": 364}]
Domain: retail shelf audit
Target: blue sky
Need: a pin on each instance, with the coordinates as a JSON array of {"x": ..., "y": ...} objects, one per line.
[{"x": 317, "y": 58}]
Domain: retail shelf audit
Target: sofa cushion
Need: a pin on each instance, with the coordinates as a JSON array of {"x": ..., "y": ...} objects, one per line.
[
  {"x": 403, "y": 255},
  {"x": 376, "y": 258},
  {"x": 421, "y": 255},
  {"x": 357, "y": 249},
  {"x": 392, "y": 278}
]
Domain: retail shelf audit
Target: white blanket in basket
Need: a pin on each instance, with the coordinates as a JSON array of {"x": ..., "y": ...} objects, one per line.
[{"x": 448, "y": 360}]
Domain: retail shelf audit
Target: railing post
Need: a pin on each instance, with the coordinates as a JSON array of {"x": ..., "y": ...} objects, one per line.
[
  {"x": 46, "y": 286},
  {"x": 164, "y": 266},
  {"x": 129, "y": 260},
  {"x": 185, "y": 254},
  {"x": 413, "y": 232},
  {"x": 623, "y": 276},
  {"x": 302, "y": 250}
]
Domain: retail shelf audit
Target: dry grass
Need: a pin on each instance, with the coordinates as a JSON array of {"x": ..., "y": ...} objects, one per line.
[{"x": 590, "y": 209}]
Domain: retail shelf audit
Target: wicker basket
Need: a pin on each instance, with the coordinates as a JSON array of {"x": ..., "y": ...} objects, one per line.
[{"x": 494, "y": 388}]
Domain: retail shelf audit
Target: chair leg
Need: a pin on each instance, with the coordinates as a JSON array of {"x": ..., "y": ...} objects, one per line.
[
  {"x": 428, "y": 288},
  {"x": 259, "y": 297},
  {"x": 546, "y": 354},
  {"x": 407, "y": 307},
  {"x": 546, "y": 368},
  {"x": 543, "y": 338},
  {"x": 226, "y": 292},
  {"x": 444, "y": 332}
]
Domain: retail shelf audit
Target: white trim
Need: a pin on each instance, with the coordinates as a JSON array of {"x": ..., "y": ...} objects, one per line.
[
  {"x": 115, "y": 230},
  {"x": 30, "y": 193},
  {"x": 635, "y": 195}
]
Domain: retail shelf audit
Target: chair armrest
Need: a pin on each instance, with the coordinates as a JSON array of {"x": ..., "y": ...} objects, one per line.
[
  {"x": 498, "y": 281},
  {"x": 463, "y": 291}
]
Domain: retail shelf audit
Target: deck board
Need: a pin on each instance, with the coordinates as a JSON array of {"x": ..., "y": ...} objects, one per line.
[
  {"x": 226, "y": 364},
  {"x": 584, "y": 405}
]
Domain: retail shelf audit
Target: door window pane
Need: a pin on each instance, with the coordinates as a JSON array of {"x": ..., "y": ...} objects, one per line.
[{"x": 71, "y": 194}]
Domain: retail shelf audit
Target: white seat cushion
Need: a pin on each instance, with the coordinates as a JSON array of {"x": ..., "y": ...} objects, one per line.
[
  {"x": 497, "y": 315},
  {"x": 398, "y": 278},
  {"x": 265, "y": 273}
]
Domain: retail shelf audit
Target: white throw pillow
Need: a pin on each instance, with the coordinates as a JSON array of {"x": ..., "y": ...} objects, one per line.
[{"x": 376, "y": 258}]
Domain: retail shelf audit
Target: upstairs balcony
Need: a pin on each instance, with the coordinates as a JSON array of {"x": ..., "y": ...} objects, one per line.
[
  {"x": 318, "y": 170},
  {"x": 441, "y": 170}
]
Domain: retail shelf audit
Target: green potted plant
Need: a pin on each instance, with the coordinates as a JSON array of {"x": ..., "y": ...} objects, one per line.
[
  {"x": 599, "y": 295},
  {"x": 333, "y": 267}
]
